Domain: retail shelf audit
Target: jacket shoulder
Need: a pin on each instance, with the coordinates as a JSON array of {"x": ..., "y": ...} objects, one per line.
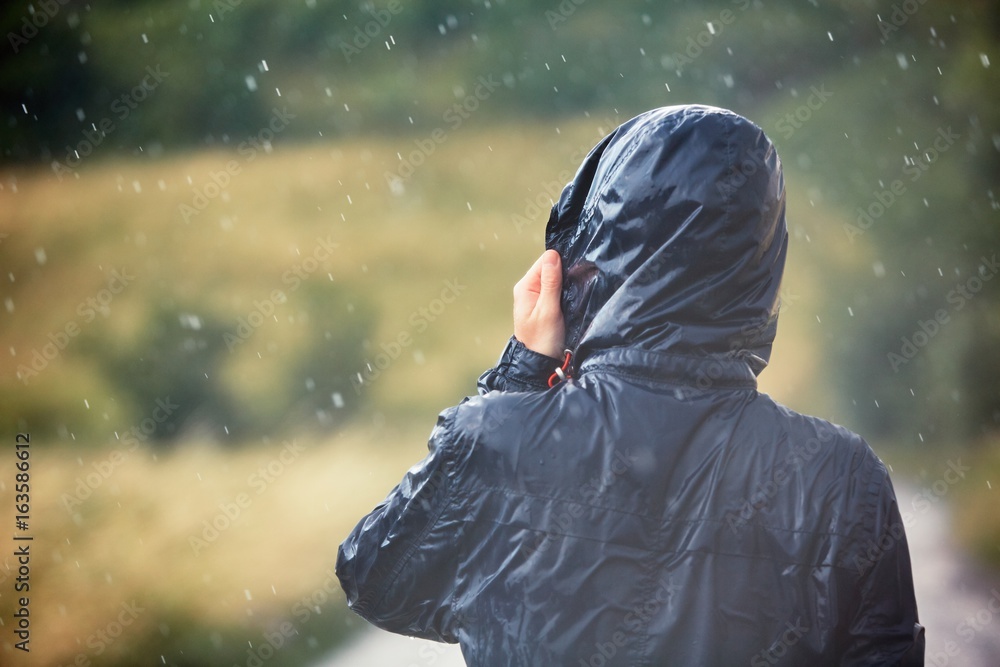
[
  {"x": 835, "y": 441},
  {"x": 841, "y": 471}
]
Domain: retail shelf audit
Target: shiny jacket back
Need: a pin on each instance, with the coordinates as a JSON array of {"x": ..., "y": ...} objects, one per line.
[{"x": 655, "y": 508}]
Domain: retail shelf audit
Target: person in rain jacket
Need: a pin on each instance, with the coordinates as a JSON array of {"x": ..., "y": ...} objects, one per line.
[{"x": 650, "y": 507}]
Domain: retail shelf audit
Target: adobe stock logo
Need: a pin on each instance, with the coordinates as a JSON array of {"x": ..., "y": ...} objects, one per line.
[
  {"x": 88, "y": 310},
  {"x": 39, "y": 19},
  {"x": 455, "y": 115},
  {"x": 915, "y": 168},
  {"x": 247, "y": 149},
  {"x": 419, "y": 320},
  {"x": 958, "y": 297},
  {"x": 121, "y": 108},
  {"x": 361, "y": 39},
  {"x": 793, "y": 120}
]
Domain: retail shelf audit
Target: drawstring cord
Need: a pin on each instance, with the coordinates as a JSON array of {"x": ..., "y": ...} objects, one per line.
[{"x": 562, "y": 372}]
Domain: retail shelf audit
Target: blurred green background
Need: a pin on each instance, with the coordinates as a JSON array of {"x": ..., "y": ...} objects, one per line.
[{"x": 251, "y": 249}]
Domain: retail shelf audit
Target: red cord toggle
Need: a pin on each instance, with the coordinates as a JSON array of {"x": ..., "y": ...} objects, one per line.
[{"x": 561, "y": 372}]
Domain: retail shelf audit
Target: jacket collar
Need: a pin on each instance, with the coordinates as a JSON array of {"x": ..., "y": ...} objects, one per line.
[{"x": 701, "y": 372}]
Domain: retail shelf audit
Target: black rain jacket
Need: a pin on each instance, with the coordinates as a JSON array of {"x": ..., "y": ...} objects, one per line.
[{"x": 654, "y": 509}]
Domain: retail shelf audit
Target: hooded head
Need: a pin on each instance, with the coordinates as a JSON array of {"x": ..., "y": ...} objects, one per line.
[{"x": 672, "y": 236}]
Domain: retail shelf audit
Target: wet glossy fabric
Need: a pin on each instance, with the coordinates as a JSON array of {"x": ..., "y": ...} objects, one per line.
[{"x": 655, "y": 509}]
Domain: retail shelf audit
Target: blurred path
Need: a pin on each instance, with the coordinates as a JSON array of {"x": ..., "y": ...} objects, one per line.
[
  {"x": 375, "y": 648},
  {"x": 953, "y": 596}
]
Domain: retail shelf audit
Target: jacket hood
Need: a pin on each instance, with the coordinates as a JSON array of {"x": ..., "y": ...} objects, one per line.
[{"x": 672, "y": 236}]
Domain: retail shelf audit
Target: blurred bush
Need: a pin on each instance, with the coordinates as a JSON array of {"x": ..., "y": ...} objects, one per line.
[
  {"x": 232, "y": 379},
  {"x": 216, "y": 382}
]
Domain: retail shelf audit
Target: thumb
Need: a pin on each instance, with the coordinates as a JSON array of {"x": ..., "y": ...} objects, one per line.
[{"x": 551, "y": 282}]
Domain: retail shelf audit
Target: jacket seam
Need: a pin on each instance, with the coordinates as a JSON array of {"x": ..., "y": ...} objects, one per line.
[
  {"x": 710, "y": 552},
  {"x": 521, "y": 494}
]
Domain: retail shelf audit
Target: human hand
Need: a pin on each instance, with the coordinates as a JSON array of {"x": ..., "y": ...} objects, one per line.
[{"x": 538, "y": 319}]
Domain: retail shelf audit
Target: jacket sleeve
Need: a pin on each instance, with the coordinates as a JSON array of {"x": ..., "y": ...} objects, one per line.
[
  {"x": 519, "y": 369},
  {"x": 397, "y": 567},
  {"x": 885, "y": 629}
]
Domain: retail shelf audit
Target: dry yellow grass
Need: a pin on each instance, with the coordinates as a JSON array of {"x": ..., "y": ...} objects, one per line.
[{"x": 141, "y": 536}]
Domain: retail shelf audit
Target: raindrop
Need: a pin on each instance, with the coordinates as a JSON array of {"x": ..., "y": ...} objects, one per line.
[
  {"x": 711, "y": 28},
  {"x": 850, "y": 311},
  {"x": 87, "y": 403},
  {"x": 901, "y": 59},
  {"x": 40, "y": 255},
  {"x": 985, "y": 59},
  {"x": 338, "y": 399},
  {"x": 246, "y": 591},
  {"x": 145, "y": 40},
  {"x": 830, "y": 35},
  {"x": 252, "y": 83},
  {"x": 190, "y": 321}
]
